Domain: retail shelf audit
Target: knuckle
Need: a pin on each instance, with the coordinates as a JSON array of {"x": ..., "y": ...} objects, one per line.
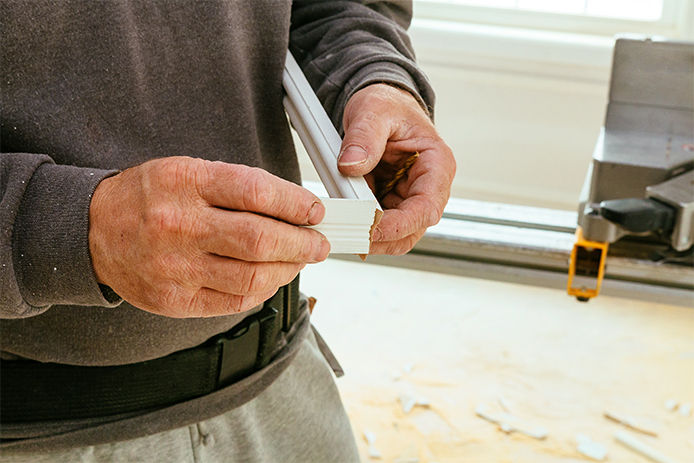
[
  {"x": 262, "y": 243},
  {"x": 362, "y": 128},
  {"x": 253, "y": 279},
  {"x": 168, "y": 295},
  {"x": 172, "y": 268},
  {"x": 164, "y": 263},
  {"x": 201, "y": 229},
  {"x": 404, "y": 246},
  {"x": 401, "y": 250},
  {"x": 434, "y": 212},
  {"x": 434, "y": 216},
  {"x": 163, "y": 218},
  {"x": 308, "y": 244},
  {"x": 255, "y": 194},
  {"x": 177, "y": 170},
  {"x": 204, "y": 176}
]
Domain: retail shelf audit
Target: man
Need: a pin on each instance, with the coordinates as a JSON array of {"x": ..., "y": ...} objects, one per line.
[{"x": 151, "y": 209}]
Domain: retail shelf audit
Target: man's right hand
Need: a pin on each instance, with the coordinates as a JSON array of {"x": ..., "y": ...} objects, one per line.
[{"x": 184, "y": 237}]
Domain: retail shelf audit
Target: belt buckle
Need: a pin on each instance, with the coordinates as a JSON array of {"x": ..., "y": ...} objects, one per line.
[{"x": 240, "y": 348}]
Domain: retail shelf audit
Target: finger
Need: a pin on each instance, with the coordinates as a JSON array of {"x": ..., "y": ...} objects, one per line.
[
  {"x": 254, "y": 238},
  {"x": 392, "y": 200},
  {"x": 432, "y": 174},
  {"x": 243, "y": 188},
  {"x": 233, "y": 276},
  {"x": 412, "y": 215},
  {"x": 366, "y": 134},
  {"x": 396, "y": 248},
  {"x": 208, "y": 302}
]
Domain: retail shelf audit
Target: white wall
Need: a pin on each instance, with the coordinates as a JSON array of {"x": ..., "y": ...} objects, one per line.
[
  {"x": 521, "y": 110},
  {"x": 521, "y": 115}
]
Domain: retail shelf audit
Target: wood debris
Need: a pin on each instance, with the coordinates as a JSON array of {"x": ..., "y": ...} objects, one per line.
[
  {"x": 311, "y": 303},
  {"x": 630, "y": 423}
]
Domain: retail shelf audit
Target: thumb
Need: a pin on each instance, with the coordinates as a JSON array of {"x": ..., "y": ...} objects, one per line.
[{"x": 363, "y": 145}]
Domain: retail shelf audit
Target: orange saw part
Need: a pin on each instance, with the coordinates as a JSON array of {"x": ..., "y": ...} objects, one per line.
[{"x": 587, "y": 262}]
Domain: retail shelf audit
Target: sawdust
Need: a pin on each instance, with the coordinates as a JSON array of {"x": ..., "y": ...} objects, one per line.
[{"x": 557, "y": 363}]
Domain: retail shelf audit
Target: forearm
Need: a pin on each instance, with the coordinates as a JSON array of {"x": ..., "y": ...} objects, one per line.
[{"x": 343, "y": 46}]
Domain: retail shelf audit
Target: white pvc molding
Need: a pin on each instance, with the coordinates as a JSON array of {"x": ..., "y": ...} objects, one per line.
[{"x": 344, "y": 225}]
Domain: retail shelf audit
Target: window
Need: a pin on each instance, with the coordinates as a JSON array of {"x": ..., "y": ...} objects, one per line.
[
  {"x": 640, "y": 10},
  {"x": 672, "y": 18}
]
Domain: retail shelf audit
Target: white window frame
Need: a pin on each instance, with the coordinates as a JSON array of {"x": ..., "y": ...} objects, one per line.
[{"x": 677, "y": 21}]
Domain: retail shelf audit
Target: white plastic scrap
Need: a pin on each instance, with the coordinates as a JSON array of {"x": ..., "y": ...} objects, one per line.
[
  {"x": 503, "y": 403},
  {"x": 591, "y": 449},
  {"x": 408, "y": 402},
  {"x": 641, "y": 448},
  {"x": 671, "y": 405},
  {"x": 374, "y": 453},
  {"x": 509, "y": 423},
  {"x": 685, "y": 409},
  {"x": 370, "y": 438}
]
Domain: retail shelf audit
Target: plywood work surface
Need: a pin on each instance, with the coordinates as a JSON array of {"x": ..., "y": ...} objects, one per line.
[{"x": 452, "y": 343}]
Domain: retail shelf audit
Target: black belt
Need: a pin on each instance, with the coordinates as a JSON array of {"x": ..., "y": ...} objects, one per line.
[{"x": 33, "y": 391}]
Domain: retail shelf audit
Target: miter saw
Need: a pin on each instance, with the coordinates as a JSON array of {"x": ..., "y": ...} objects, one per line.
[{"x": 638, "y": 197}]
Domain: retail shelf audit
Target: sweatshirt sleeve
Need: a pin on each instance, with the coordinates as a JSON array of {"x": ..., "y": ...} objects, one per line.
[
  {"x": 44, "y": 231},
  {"x": 343, "y": 46}
]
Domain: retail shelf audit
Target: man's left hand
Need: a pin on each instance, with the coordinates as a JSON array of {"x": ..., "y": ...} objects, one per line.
[{"x": 384, "y": 126}]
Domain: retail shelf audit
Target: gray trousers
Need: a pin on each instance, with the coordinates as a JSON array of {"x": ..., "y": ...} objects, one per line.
[{"x": 299, "y": 418}]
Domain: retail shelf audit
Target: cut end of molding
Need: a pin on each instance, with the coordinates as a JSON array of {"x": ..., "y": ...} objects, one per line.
[
  {"x": 377, "y": 218},
  {"x": 348, "y": 224}
]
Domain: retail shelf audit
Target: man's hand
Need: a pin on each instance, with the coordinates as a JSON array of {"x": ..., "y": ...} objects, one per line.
[
  {"x": 183, "y": 237},
  {"x": 384, "y": 126}
]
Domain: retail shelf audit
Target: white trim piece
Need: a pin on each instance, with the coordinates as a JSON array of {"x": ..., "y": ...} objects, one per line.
[
  {"x": 321, "y": 140},
  {"x": 347, "y": 225}
]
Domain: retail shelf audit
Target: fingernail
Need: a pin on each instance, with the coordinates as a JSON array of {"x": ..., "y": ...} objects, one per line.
[
  {"x": 315, "y": 215},
  {"x": 352, "y": 155}
]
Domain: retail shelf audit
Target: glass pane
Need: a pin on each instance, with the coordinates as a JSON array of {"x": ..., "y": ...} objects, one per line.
[
  {"x": 644, "y": 10},
  {"x": 487, "y": 3},
  {"x": 640, "y": 10},
  {"x": 553, "y": 6}
]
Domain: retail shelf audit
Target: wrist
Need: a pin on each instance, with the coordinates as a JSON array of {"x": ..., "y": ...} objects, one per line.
[{"x": 98, "y": 217}]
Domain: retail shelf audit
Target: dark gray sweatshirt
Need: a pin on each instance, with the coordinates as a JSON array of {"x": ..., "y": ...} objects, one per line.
[{"x": 90, "y": 88}]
